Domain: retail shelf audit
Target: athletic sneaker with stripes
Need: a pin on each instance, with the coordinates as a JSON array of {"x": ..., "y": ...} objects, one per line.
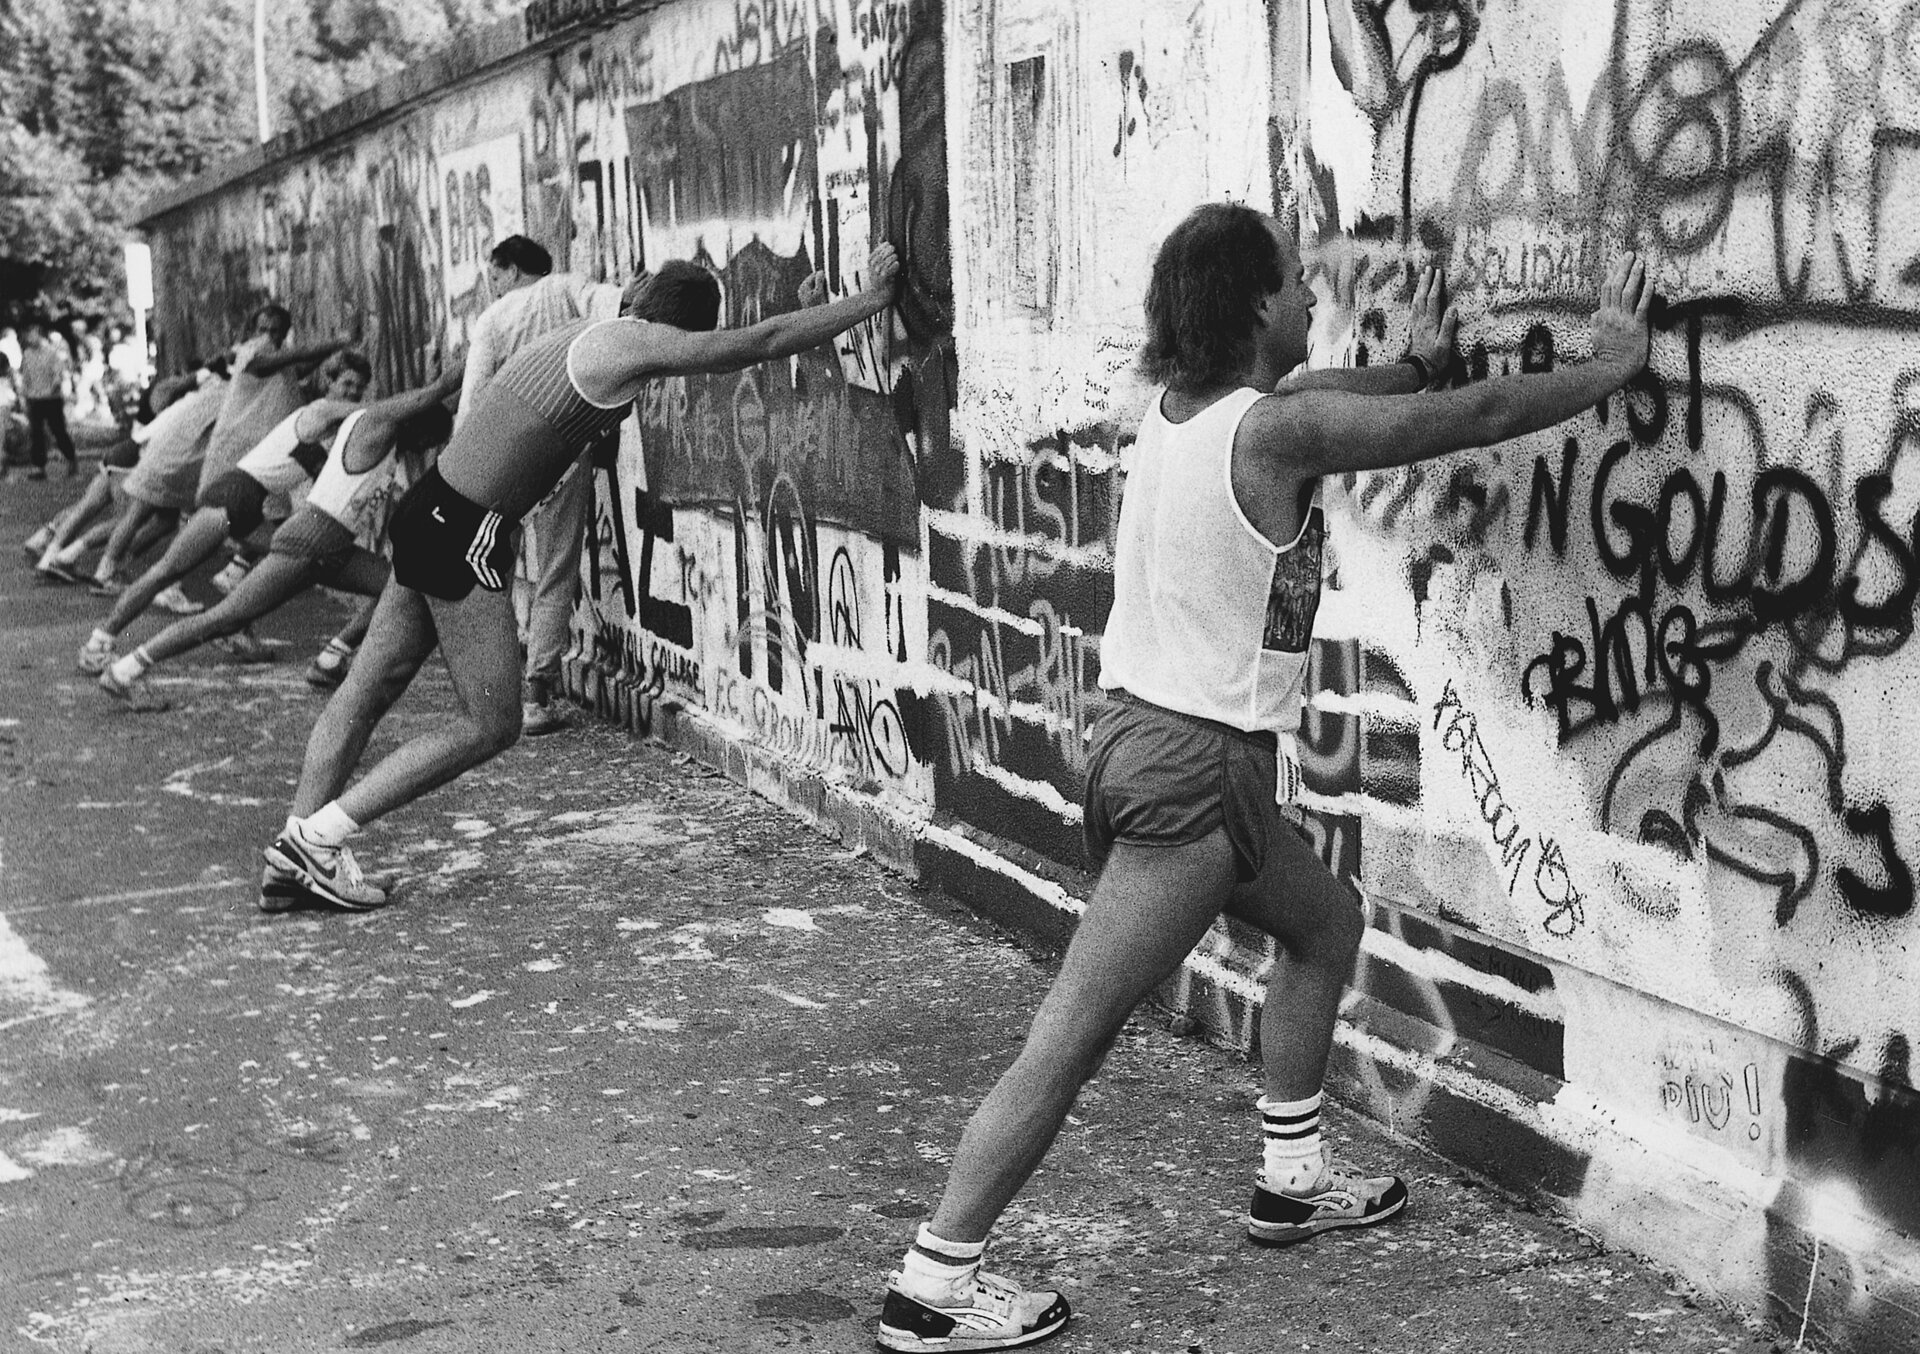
[
  {"x": 1341, "y": 1197},
  {"x": 329, "y": 873},
  {"x": 282, "y": 891},
  {"x": 977, "y": 1311}
]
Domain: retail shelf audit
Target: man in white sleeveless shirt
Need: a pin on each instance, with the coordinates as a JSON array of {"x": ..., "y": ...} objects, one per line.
[{"x": 1216, "y": 583}]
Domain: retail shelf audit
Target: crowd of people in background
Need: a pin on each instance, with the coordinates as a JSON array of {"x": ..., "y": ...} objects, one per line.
[{"x": 54, "y": 377}]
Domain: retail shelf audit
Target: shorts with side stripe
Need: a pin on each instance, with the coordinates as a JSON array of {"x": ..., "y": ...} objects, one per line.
[
  {"x": 445, "y": 544},
  {"x": 1156, "y": 777}
]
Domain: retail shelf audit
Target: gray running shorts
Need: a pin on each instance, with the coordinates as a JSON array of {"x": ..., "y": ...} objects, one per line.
[{"x": 1156, "y": 777}]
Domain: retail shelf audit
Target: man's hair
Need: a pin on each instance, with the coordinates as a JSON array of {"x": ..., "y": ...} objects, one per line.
[
  {"x": 282, "y": 317},
  {"x": 1203, "y": 302},
  {"x": 423, "y": 431},
  {"x": 517, "y": 251},
  {"x": 678, "y": 293},
  {"x": 345, "y": 360}
]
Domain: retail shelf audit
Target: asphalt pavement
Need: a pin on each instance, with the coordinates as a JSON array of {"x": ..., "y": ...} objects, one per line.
[{"x": 635, "y": 1062}]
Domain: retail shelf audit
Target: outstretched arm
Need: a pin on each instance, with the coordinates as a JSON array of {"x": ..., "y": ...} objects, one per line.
[
  {"x": 629, "y": 353},
  {"x": 1430, "y": 340},
  {"x": 269, "y": 360},
  {"x": 410, "y": 402},
  {"x": 1326, "y": 432}
]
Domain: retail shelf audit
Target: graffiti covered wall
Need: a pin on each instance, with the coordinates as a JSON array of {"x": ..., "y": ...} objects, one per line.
[
  {"x": 1607, "y": 722},
  {"x": 1623, "y": 705}
]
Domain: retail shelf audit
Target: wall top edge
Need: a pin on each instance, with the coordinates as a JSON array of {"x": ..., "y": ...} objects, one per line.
[{"x": 542, "y": 25}]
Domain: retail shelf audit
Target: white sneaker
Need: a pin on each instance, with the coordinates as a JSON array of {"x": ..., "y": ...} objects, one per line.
[
  {"x": 983, "y": 1311},
  {"x": 176, "y": 601},
  {"x": 330, "y": 873},
  {"x": 96, "y": 658}
]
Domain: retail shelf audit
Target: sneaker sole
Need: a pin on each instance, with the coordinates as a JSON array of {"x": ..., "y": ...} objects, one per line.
[
  {"x": 283, "y": 897},
  {"x": 139, "y": 703},
  {"x": 906, "y": 1342},
  {"x": 291, "y": 864},
  {"x": 1292, "y": 1234}
]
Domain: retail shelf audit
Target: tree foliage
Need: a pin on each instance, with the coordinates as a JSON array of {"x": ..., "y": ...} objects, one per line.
[{"x": 104, "y": 103}]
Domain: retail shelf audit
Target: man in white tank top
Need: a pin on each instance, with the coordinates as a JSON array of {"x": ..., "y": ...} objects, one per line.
[{"x": 1216, "y": 582}]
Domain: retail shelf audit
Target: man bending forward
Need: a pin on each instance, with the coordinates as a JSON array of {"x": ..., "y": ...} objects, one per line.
[{"x": 453, "y": 548}]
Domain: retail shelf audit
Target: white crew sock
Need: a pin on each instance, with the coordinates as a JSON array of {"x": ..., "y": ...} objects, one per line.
[
  {"x": 133, "y": 667},
  {"x": 1291, "y": 1147},
  {"x": 326, "y": 826},
  {"x": 338, "y": 651},
  {"x": 100, "y": 639},
  {"x": 936, "y": 1267}
]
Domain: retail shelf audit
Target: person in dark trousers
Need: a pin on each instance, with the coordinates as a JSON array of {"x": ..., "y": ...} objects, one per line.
[
  {"x": 46, "y": 379},
  {"x": 1217, "y": 571}
]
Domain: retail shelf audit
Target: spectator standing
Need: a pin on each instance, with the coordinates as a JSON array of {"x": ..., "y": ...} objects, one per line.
[
  {"x": 46, "y": 378},
  {"x": 533, "y": 302}
]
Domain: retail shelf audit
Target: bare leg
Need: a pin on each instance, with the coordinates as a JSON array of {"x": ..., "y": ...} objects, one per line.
[
  {"x": 401, "y": 637},
  {"x": 278, "y": 579},
  {"x": 96, "y": 499},
  {"x": 1318, "y": 922},
  {"x": 1150, "y": 908},
  {"x": 197, "y": 541},
  {"x": 483, "y": 657},
  {"x": 120, "y": 544}
]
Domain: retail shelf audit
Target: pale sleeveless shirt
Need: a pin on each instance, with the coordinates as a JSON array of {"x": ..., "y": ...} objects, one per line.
[
  {"x": 347, "y": 495},
  {"x": 280, "y": 460},
  {"x": 1209, "y": 617}
]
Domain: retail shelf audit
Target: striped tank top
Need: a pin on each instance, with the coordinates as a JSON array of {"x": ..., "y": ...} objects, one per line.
[{"x": 540, "y": 375}]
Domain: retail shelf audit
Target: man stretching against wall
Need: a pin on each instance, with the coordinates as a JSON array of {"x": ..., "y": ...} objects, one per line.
[
  {"x": 535, "y": 301},
  {"x": 1216, "y": 584},
  {"x": 316, "y": 545},
  {"x": 453, "y": 547},
  {"x": 233, "y": 506}
]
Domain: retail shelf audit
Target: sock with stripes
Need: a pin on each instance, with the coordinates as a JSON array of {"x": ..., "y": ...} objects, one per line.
[
  {"x": 338, "y": 651},
  {"x": 935, "y": 1267},
  {"x": 133, "y": 667},
  {"x": 1291, "y": 1149}
]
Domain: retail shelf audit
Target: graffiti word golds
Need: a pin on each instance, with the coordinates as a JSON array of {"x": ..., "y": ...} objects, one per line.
[{"x": 1551, "y": 878}]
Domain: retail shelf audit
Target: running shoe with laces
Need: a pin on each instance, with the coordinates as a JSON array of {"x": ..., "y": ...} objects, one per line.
[
  {"x": 980, "y": 1311},
  {"x": 330, "y": 873},
  {"x": 174, "y": 600},
  {"x": 54, "y": 571},
  {"x": 95, "y": 658},
  {"x": 136, "y": 695},
  {"x": 1342, "y": 1197},
  {"x": 282, "y": 891}
]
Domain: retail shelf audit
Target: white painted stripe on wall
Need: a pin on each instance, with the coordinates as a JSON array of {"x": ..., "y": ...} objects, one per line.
[
  {"x": 963, "y": 526},
  {"x": 1439, "y": 966},
  {"x": 962, "y": 602},
  {"x": 1369, "y": 704},
  {"x": 1039, "y": 791},
  {"x": 1048, "y": 892}
]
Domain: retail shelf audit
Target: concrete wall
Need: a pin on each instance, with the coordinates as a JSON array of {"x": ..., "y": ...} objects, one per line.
[{"x": 1607, "y": 723}]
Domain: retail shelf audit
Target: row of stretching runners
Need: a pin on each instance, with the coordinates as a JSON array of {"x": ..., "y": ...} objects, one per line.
[{"x": 1217, "y": 575}]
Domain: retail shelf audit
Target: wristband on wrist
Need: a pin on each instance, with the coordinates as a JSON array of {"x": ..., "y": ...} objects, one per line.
[{"x": 1423, "y": 374}]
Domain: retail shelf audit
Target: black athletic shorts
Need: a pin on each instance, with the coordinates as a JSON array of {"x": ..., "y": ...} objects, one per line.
[
  {"x": 1156, "y": 777},
  {"x": 443, "y": 544},
  {"x": 242, "y": 497}
]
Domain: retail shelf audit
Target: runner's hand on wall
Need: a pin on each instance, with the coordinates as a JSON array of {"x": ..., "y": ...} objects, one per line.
[
  {"x": 1620, "y": 328},
  {"x": 1435, "y": 322},
  {"x": 883, "y": 271},
  {"x": 813, "y": 290}
]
